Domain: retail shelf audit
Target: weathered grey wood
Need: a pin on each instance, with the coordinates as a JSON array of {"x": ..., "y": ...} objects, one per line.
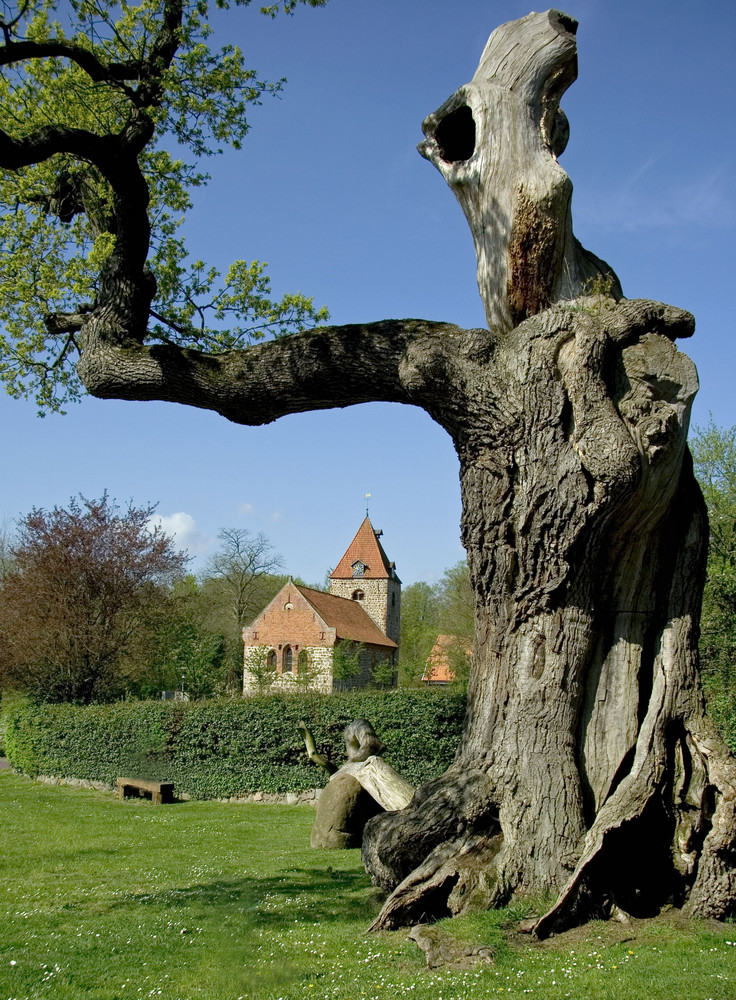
[
  {"x": 496, "y": 141},
  {"x": 316, "y": 758},
  {"x": 361, "y": 741},
  {"x": 343, "y": 809},
  {"x": 381, "y": 781},
  {"x": 162, "y": 792}
]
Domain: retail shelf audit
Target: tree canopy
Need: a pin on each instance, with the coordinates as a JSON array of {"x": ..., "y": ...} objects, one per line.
[
  {"x": 714, "y": 459},
  {"x": 79, "y": 595},
  {"x": 105, "y": 113}
]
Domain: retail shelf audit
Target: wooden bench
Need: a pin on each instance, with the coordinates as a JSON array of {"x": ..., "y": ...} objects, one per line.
[{"x": 160, "y": 791}]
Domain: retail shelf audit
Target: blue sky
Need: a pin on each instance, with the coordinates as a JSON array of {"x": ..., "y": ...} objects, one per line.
[{"x": 330, "y": 191}]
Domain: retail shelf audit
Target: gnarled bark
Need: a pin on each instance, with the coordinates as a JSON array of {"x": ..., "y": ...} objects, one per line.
[{"x": 597, "y": 774}]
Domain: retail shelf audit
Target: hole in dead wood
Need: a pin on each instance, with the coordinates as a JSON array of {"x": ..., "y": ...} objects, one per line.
[
  {"x": 432, "y": 905},
  {"x": 455, "y": 135},
  {"x": 563, "y": 22}
]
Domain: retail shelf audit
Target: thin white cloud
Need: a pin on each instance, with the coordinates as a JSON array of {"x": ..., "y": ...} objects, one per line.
[
  {"x": 245, "y": 508},
  {"x": 276, "y": 515},
  {"x": 184, "y": 529},
  {"x": 703, "y": 202}
]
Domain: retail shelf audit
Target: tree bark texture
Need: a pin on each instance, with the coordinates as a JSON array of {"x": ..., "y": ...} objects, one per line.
[{"x": 587, "y": 767}]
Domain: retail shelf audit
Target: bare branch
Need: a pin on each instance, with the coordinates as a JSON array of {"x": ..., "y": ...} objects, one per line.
[{"x": 323, "y": 368}]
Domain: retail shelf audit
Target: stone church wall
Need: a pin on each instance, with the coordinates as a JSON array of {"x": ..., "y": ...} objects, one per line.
[
  {"x": 382, "y": 600},
  {"x": 319, "y": 676}
]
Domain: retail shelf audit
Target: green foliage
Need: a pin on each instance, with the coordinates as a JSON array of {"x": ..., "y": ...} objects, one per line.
[
  {"x": 420, "y": 626},
  {"x": 104, "y": 67},
  {"x": 224, "y": 748},
  {"x": 257, "y": 664},
  {"x": 346, "y": 660},
  {"x": 596, "y": 294},
  {"x": 383, "y": 673},
  {"x": 714, "y": 460},
  {"x": 179, "y": 649},
  {"x": 447, "y": 608}
]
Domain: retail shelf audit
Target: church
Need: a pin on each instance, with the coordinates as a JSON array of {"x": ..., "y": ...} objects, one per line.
[{"x": 329, "y": 641}]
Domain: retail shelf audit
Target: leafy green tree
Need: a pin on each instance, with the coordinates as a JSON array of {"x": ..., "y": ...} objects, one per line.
[
  {"x": 77, "y": 602},
  {"x": 420, "y": 626},
  {"x": 258, "y": 664},
  {"x": 456, "y": 602},
  {"x": 105, "y": 110},
  {"x": 714, "y": 459},
  {"x": 346, "y": 660},
  {"x": 182, "y": 651},
  {"x": 238, "y": 582}
]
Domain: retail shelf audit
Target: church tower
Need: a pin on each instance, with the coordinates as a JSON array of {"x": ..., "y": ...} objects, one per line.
[{"x": 365, "y": 574}]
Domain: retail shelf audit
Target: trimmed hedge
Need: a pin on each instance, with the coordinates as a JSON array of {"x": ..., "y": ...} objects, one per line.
[{"x": 218, "y": 749}]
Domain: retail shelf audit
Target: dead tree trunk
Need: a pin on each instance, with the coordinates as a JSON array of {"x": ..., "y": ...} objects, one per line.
[{"x": 587, "y": 765}]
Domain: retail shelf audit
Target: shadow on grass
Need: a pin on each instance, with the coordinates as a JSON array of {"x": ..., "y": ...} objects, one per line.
[{"x": 317, "y": 895}]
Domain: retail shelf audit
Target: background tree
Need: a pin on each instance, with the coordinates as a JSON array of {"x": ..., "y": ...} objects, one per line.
[
  {"x": 587, "y": 765},
  {"x": 346, "y": 660},
  {"x": 419, "y": 630},
  {"x": 447, "y": 608},
  {"x": 237, "y": 579},
  {"x": 180, "y": 649},
  {"x": 714, "y": 459},
  {"x": 6, "y": 554},
  {"x": 78, "y": 598}
]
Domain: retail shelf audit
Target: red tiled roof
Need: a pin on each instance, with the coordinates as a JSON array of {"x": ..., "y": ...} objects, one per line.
[
  {"x": 366, "y": 548},
  {"x": 438, "y": 662},
  {"x": 348, "y": 618}
]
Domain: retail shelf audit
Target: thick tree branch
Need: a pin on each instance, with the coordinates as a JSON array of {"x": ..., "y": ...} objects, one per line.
[
  {"x": 324, "y": 368},
  {"x": 95, "y": 68}
]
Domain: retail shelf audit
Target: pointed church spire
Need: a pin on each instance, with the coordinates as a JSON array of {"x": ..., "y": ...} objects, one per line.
[{"x": 364, "y": 557}]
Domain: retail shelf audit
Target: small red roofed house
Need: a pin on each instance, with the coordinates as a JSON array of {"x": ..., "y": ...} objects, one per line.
[
  {"x": 298, "y": 636},
  {"x": 441, "y": 661}
]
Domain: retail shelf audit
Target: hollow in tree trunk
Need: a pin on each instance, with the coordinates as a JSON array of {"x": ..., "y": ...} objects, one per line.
[{"x": 587, "y": 766}]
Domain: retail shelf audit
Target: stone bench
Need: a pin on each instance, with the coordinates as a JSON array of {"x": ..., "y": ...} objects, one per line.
[{"x": 160, "y": 791}]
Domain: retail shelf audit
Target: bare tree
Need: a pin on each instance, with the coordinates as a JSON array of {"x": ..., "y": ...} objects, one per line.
[
  {"x": 588, "y": 765},
  {"x": 6, "y": 551},
  {"x": 243, "y": 559}
]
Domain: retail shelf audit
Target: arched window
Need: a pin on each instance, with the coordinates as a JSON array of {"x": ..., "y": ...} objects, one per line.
[
  {"x": 302, "y": 662},
  {"x": 287, "y": 660},
  {"x": 271, "y": 660},
  {"x": 357, "y": 595}
]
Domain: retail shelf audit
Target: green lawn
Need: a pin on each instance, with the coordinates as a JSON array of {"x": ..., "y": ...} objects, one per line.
[{"x": 118, "y": 900}]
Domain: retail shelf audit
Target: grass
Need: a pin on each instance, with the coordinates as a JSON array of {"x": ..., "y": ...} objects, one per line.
[{"x": 109, "y": 900}]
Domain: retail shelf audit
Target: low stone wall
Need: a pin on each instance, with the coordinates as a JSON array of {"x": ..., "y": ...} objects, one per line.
[{"x": 308, "y": 797}]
